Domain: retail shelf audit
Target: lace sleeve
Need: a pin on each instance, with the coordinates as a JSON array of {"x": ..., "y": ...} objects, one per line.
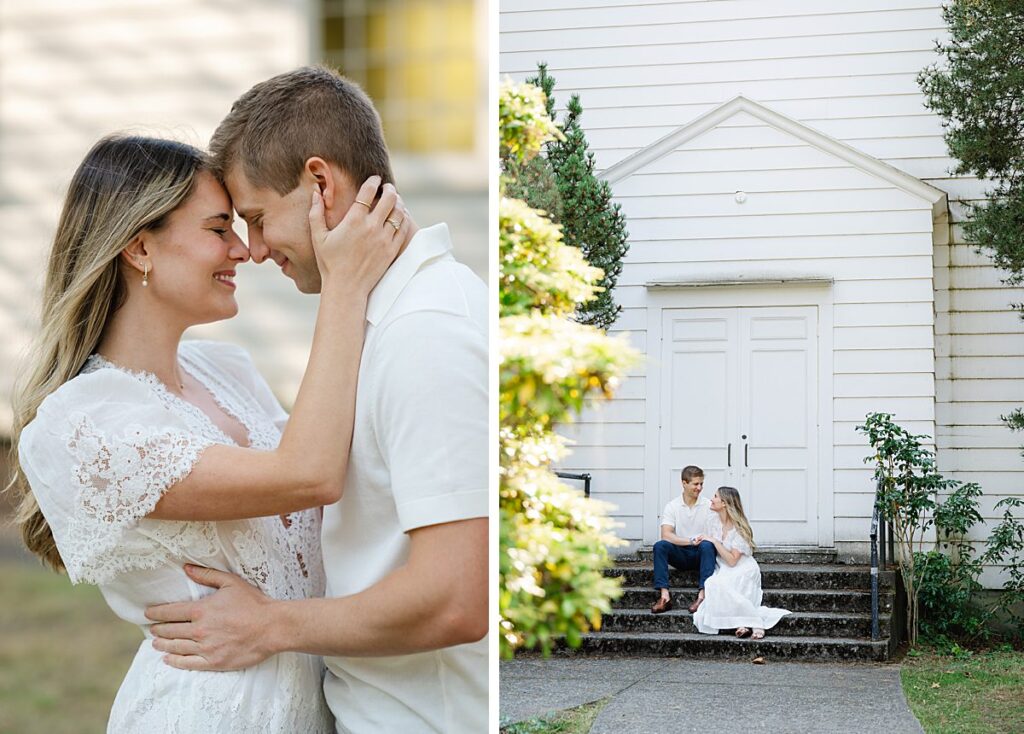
[
  {"x": 713, "y": 526},
  {"x": 96, "y": 477},
  {"x": 735, "y": 541}
]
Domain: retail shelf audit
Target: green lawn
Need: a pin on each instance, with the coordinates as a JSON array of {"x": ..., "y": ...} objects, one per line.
[
  {"x": 63, "y": 653},
  {"x": 980, "y": 693}
]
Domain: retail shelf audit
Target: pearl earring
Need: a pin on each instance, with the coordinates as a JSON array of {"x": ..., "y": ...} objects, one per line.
[{"x": 145, "y": 276}]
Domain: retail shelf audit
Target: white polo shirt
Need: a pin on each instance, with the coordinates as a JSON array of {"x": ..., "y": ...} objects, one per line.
[
  {"x": 687, "y": 522},
  {"x": 419, "y": 457}
]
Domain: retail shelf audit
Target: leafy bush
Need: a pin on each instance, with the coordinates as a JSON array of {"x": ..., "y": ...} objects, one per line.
[
  {"x": 1005, "y": 547},
  {"x": 554, "y": 542},
  {"x": 942, "y": 581},
  {"x": 946, "y": 595},
  {"x": 948, "y": 575}
]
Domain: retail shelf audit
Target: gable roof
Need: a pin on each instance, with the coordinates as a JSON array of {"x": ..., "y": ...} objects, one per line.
[{"x": 869, "y": 164}]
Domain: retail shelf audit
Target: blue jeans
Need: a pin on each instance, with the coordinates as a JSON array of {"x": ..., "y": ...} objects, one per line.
[{"x": 683, "y": 557}]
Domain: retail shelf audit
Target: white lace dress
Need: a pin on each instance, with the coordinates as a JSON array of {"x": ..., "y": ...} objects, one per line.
[
  {"x": 732, "y": 595},
  {"x": 99, "y": 455}
]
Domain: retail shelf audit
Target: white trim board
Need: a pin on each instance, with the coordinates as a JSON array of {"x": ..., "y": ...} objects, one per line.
[
  {"x": 869, "y": 164},
  {"x": 740, "y": 281}
]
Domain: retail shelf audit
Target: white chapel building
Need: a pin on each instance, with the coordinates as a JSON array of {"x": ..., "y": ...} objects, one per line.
[{"x": 796, "y": 259}]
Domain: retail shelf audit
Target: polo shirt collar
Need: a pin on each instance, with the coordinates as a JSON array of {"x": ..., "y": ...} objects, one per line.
[
  {"x": 428, "y": 243},
  {"x": 702, "y": 501}
]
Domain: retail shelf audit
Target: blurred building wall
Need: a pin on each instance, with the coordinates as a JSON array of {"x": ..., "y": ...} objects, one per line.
[{"x": 73, "y": 71}]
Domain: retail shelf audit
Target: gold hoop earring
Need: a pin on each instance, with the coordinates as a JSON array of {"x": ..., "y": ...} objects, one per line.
[{"x": 145, "y": 276}]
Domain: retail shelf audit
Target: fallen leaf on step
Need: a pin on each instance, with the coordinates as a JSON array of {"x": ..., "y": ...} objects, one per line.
[
  {"x": 758, "y": 661},
  {"x": 935, "y": 685}
]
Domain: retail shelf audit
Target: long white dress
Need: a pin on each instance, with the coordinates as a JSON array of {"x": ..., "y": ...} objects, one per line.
[
  {"x": 732, "y": 595},
  {"x": 100, "y": 453}
]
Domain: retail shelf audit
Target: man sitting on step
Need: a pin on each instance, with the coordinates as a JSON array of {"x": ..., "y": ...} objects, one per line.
[{"x": 683, "y": 520}]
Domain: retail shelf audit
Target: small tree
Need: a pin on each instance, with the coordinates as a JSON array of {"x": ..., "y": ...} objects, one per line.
[
  {"x": 909, "y": 485},
  {"x": 553, "y": 541},
  {"x": 978, "y": 92},
  {"x": 582, "y": 204}
]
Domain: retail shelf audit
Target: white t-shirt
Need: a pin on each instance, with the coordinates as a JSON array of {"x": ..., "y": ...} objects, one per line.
[
  {"x": 687, "y": 522},
  {"x": 419, "y": 457}
]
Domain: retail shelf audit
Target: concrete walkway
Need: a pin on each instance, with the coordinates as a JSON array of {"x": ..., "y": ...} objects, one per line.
[{"x": 674, "y": 695}]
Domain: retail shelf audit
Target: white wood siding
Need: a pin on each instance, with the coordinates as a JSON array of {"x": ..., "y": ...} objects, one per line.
[
  {"x": 72, "y": 72},
  {"x": 937, "y": 345},
  {"x": 883, "y": 337}
]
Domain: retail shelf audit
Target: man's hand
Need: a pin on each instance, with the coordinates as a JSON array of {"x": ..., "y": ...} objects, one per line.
[
  {"x": 668, "y": 533},
  {"x": 366, "y": 241},
  {"x": 227, "y": 630}
]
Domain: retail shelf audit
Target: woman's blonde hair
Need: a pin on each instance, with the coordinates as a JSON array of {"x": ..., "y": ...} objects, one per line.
[
  {"x": 124, "y": 186},
  {"x": 730, "y": 497}
]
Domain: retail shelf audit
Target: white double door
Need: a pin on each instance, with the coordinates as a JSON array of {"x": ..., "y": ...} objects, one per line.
[{"x": 739, "y": 398}]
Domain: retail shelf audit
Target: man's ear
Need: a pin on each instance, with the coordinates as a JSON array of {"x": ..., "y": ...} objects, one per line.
[
  {"x": 335, "y": 188},
  {"x": 323, "y": 177},
  {"x": 136, "y": 254}
]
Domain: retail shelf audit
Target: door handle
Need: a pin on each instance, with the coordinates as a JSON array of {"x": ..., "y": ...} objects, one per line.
[
  {"x": 745, "y": 446},
  {"x": 728, "y": 459}
]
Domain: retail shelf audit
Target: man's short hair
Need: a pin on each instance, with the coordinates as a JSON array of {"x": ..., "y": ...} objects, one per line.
[
  {"x": 691, "y": 472},
  {"x": 279, "y": 124}
]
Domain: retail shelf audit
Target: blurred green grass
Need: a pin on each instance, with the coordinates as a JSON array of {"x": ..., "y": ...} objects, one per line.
[{"x": 63, "y": 653}]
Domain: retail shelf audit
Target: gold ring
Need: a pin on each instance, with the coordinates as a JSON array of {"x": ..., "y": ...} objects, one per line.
[
  {"x": 396, "y": 223},
  {"x": 364, "y": 204}
]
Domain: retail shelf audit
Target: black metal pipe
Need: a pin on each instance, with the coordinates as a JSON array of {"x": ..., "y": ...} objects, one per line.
[
  {"x": 881, "y": 546},
  {"x": 585, "y": 478},
  {"x": 892, "y": 543},
  {"x": 875, "y": 633},
  {"x": 875, "y": 517}
]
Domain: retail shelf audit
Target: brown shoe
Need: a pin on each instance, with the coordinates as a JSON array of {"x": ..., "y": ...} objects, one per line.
[
  {"x": 662, "y": 605},
  {"x": 696, "y": 605}
]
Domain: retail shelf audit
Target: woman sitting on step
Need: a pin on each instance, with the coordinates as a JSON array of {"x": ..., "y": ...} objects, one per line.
[{"x": 732, "y": 596}]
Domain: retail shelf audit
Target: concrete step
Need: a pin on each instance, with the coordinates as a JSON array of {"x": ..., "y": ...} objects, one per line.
[
  {"x": 798, "y": 624},
  {"x": 796, "y": 600},
  {"x": 775, "y": 554},
  {"x": 726, "y": 647},
  {"x": 773, "y": 576}
]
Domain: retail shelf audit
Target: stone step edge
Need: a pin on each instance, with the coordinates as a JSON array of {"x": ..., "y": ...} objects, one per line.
[
  {"x": 768, "y": 548},
  {"x": 731, "y": 639},
  {"x": 774, "y": 589},
  {"x": 835, "y": 568},
  {"x": 781, "y": 552},
  {"x": 860, "y": 616}
]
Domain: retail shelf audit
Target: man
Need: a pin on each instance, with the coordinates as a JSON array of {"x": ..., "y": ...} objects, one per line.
[
  {"x": 682, "y": 521},
  {"x": 405, "y": 549}
]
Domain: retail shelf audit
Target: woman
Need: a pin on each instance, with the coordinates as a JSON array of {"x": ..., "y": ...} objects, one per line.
[
  {"x": 138, "y": 453},
  {"x": 732, "y": 596}
]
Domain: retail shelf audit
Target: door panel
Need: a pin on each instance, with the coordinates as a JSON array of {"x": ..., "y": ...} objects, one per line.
[
  {"x": 779, "y": 420},
  {"x": 699, "y": 415},
  {"x": 697, "y": 418},
  {"x": 778, "y": 409},
  {"x": 739, "y": 399}
]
